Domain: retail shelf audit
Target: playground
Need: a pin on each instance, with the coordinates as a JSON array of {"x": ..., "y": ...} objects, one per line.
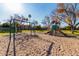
[{"x": 56, "y": 35}]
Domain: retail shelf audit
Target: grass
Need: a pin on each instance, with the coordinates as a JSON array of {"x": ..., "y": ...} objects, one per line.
[
  {"x": 35, "y": 30},
  {"x": 76, "y": 32},
  {"x": 23, "y": 31},
  {"x": 44, "y": 31},
  {"x": 2, "y": 34}
]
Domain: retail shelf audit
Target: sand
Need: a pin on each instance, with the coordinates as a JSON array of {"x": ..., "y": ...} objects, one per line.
[{"x": 40, "y": 45}]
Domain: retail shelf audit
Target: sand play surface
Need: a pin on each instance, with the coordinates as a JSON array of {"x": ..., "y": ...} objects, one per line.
[{"x": 40, "y": 45}]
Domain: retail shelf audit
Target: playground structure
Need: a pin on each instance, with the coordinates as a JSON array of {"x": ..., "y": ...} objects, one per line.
[
  {"x": 12, "y": 35},
  {"x": 53, "y": 30},
  {"x": 54, "y": 26}
]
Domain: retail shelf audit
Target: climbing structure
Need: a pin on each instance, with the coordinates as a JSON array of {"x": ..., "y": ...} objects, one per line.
[
  {"x": 55, "y": 26},
  {"x": 14, "y": 30}
]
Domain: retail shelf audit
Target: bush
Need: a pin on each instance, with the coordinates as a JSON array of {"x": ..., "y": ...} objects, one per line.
[
  {"x": 5, "y": 25},
  {"x": 66, "y": 28}
]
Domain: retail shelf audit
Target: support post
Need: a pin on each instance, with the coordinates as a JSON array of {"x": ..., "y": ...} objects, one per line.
[{"x": 14, "y": 49}]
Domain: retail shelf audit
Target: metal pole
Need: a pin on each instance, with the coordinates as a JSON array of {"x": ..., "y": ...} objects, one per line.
[
  {"x": 14, "y": 51},
  {"x": 34, "y": 30},
  {"x": 9, "y": 40},
  {"x": 30, "y": 28}
]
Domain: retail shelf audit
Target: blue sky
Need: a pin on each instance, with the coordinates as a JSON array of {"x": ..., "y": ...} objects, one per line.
[{"x": 37, "y": 10}]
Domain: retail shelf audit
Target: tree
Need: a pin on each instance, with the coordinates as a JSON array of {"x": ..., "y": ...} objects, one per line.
[
  {"x": 67, "y": 28},
  {"x": 5, "y": 24},
  {"x": 0, "y": 23},
  {"x": 38, "y": 27},
  {"x": 34, "y": 24},
  {"x": 46, "y": 22},
  {"x": 55, "y": 18},
  {"x": 70, "y": 12}
]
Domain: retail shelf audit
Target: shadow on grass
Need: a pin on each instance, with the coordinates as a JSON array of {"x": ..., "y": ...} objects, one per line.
[
  {"x": 61, "y": 34},
  {"x": 66, "y": 35}
]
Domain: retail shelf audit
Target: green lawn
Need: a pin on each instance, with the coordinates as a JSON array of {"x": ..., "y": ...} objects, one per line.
[
  {"x": 44, "y": 31},
  {"x": 35, "y": 30},
  {"x": 1, "y": 34},
  {"x": 76, "y": 32},
  {"x": 23, "y": 31}
]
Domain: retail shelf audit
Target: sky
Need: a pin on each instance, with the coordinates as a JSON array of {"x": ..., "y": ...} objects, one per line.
[{"x": 37, "y": 10}]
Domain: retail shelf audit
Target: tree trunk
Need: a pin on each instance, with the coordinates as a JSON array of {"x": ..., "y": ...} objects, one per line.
[{"x": 72, "y": 29}]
